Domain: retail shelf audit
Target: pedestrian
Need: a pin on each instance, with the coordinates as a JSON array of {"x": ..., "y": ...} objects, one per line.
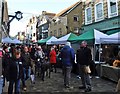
[
  {"x": 39, "y": 56},
  {"x": 15, "y": 73},
  {"x": 67, "y": 56},
  {"x": 52, "y": 57},
  {"x": 26, "y": 66},
  {"x": 84, "y": 57},
  {"x": 5, "y": 64}
]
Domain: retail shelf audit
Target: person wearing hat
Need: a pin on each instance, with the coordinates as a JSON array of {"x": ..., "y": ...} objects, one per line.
[
  {"x": 39, "y": 55},
  {"x": 67, "y": 57}
]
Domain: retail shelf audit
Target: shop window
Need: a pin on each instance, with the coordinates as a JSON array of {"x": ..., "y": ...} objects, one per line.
[
  {"x": 88, "y": 15},
  {"x": 112, "y": 8},
  {"x": 99, "y": 12}
]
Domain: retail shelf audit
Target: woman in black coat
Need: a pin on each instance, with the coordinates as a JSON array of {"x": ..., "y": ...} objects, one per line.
[{"x": 15, "y": 73}]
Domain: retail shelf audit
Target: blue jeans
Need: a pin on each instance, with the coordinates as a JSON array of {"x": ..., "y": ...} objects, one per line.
[
  {"x": 17, "y": 86},
  {"x": 26, "y": 75}
]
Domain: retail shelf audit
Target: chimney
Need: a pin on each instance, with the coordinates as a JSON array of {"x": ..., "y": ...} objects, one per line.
[{"x": 44, "y": 12}]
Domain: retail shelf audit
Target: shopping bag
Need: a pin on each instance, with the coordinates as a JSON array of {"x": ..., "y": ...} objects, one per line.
[
  {"x": 32, "y": 77},
  {"x": 87, "y": 69}
]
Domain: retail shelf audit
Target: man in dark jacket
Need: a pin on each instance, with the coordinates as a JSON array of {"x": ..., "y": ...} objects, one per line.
[
  {"x": 83, "y": 58},
  {"x": 26, "y": 66},
  {"x": 67, "y": 56},
  {"x": 15, "y": 73}
]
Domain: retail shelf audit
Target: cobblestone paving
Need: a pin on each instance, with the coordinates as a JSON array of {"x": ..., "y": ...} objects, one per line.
[{"x": 55, "y": 84}]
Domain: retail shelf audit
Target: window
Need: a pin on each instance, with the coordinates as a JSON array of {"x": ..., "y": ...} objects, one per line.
[
  {"x": 59, "y": 22},
  {"x": 55, "y": 32},
  {"x": 75, "y": 18},
  {"x": 112, "y": 8},
  {"x": 51, "y": 33},
  {"x": 31, "y": 27},
  {"x": 55, "y": 23},
  {"x": 76, "y": 30},
  {"x": 60, "y": 31},
  {"x": 34, "y": 34},
  {"x": 88, "y": 16},
  {"x": 99, "y": 12}
]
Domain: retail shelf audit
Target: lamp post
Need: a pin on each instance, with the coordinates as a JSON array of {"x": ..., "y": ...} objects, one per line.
[{"x": 18, "y": 16}]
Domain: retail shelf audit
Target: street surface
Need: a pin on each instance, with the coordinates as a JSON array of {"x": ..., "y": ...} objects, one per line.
[{"x": 55, "y": 84}]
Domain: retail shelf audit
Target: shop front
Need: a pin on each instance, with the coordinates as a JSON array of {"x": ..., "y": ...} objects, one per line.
[{"x": 107, "y": 26}]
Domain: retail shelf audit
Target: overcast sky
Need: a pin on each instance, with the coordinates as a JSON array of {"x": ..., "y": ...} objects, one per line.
[{"x": 34, "y": 7}]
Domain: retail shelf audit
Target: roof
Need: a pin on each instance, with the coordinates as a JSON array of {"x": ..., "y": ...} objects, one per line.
[
  {"x": 67, "y": 9},
  {"x": 50, "y": 14}
]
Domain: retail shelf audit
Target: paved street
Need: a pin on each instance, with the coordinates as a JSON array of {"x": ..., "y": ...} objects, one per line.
[{"x": 55, "y": 84}]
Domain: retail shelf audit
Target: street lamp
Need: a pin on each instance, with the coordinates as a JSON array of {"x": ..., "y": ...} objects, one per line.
[{"x": 18, "y": 16}]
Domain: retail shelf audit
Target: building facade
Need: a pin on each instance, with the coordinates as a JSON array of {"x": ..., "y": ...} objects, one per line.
[
  {"x": 3, "y": 19},
  {"x": 68, "y": 20},
  {"x": 58, "y": 27},
  {"x": 30, "y": 33},
  {"x": 103, "y": 15},
  {"x": 43, "y": 24}
]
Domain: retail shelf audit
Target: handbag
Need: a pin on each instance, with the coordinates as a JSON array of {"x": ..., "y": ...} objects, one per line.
[{"x": 87, "y": 69}]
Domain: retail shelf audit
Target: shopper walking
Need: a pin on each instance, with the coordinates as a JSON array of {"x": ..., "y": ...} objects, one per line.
[
  {"x": 26, "y": 66},
  {"x": 15, "y": 73}
]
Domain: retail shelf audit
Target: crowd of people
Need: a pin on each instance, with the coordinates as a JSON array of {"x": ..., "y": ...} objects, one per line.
[{"x": 17, "y": 63}]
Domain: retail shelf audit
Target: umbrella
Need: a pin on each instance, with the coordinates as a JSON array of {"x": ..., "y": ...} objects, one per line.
[
  {"x": 7, "y": 40},
  {"x": 16, "y": 41}
]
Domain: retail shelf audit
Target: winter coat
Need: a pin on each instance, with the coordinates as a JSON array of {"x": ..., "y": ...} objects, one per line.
[
  {"x": 6, "y": 60},
  {"x": 52, "y": 56},
  {"x": 67, "y": 56},
  {"x": 15, "y": 69},
  {"x": 26, "y": 59},
  {"x": 39, "y": 54},
  {"x": 83, "y": 56}
]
